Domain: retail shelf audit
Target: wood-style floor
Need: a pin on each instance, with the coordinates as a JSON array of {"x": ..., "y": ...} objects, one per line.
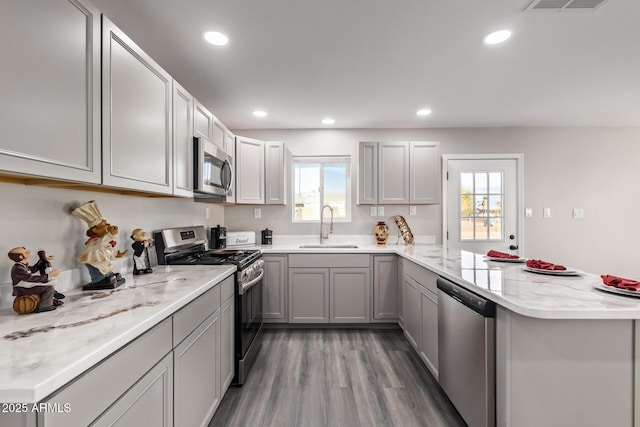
[{"x": 343, "y": 377}]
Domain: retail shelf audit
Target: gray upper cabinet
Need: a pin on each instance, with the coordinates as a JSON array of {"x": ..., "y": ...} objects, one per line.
[
  {"x": 182, "y": 141},
  {"x": 424, "y": 173},
  {"x": 218, "y": 134},
  {"x": 393, "y": 173},
  {"x": 275, "y": 172},
  {"x": 136, "y": 116},
  {"x": 249, "y": 171},
  {"x": 399, "y": 173},
  {"x": 368, "y": 175},
  {"x": 50, "y": 99},
  {"x": 202, "y": 121}
]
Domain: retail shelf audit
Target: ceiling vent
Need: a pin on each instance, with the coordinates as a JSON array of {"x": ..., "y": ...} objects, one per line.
[{"x": 557, "y": 5}]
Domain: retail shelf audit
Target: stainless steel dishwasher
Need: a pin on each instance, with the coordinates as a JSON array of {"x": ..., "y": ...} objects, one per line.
[{"x": 466, "y": 352}]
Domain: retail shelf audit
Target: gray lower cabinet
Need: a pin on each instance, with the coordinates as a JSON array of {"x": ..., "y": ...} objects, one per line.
[
  {"x": 149, "y": 402},
  {"x": 421, "y": 313},
  {"x": 412, "y": 321},
  {"x": 400, "y": 281},
  {"x": 349, "y": 293},
  {"x": 329, "y": 295},
  {"x": 197, "y": 374},
  {"x": 385, "y": 288},
  {"x": 308, "y": 295},
  {"x": 50, "y": 99},
  {"x": 127, "y": 379},
  {"x": 275, "y": 289},
  {"x": 136, "y": 116},
  {"x": 227, "y": 346},
  {"x": 329, "y": 288},
  {"x": 429, "y": 340}
]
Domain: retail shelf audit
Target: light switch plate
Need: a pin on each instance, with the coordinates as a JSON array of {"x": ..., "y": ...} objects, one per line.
[
  {"x": 528, "y": 212},
  {"x": 412, "y": 210},
  {"x": 578, "y": 213},
  {"x": 373, "y": 211},
  {"x": 257, "y": 213},
  {"x": 380, "y": 210},
  {"x": 546, "y": 212}
]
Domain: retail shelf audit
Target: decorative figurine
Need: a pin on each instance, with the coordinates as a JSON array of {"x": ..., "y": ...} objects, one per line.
[
  {"x": 99, "y": 249},
  {"x": 404, "y": 230},
  {"x": 44, "y": 267},
  {"x": 32, "y": 291},
  {"x": 381, "y": 231},
  {"x": 141, "y": 263}
]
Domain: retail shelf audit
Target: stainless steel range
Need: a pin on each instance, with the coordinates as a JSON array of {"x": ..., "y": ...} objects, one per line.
[{"x": 187, "y": 246}]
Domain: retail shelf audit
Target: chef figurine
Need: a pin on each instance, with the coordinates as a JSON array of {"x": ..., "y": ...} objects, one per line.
[
  {"x": 26, "y": 282},
  {"x": 99, "y": 249},
  {"x": 44, "y": 267},
  {"x": 141, "y": 263}
]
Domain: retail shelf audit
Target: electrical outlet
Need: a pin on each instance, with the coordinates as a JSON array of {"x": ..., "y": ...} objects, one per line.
[
  {"x": 546, "y": 212},
  {"x": 528, "y": 212},
  {"x": 380, "y": 210},
  {"x": 578, "y": 213},
  {"x": 207, "y": 213},
  {"x": 413, "y": 210},
  {"x": 373, "y": 211},
  {"x": 257, "y": 213}
]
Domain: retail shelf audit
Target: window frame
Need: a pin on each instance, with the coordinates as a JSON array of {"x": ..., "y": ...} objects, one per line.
[{"x": 323, "y": 160}]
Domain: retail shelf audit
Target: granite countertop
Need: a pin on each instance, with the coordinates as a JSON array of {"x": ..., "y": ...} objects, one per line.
[
  {"x": 507, "y": 284},
  {"x": 40, "y": 353}
]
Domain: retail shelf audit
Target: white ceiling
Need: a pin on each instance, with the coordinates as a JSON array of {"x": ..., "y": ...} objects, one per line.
[{"x": 374, "y": 63}]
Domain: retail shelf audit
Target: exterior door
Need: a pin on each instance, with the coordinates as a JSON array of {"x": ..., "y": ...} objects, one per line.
[{"x": 483, "y": 203}]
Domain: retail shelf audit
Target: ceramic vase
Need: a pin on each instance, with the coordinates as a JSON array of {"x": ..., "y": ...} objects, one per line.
[{"x": 381, "y": 231}]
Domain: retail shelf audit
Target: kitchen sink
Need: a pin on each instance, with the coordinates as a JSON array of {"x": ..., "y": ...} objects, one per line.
[{"x": 328, "y": 246}]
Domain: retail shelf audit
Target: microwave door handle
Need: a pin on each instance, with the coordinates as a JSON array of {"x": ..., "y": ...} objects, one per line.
[{"x": 226, "y": 185}]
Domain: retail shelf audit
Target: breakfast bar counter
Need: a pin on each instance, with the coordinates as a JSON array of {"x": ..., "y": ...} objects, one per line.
[{"x": 505, "y": 283}]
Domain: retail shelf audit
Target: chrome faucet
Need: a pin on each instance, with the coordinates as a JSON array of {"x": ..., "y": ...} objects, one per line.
[{"x": 322, "y": 223}]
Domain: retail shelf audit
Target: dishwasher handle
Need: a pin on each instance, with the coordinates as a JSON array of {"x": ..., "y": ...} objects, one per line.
[{"x": 475, "y": 302}]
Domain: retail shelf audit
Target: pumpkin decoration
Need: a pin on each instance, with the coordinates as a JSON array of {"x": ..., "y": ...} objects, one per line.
[{"x": 26, "y": 304}]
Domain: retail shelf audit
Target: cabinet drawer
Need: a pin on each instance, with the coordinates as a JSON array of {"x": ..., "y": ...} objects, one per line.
[
  {"x": 96, "y": 390},
  {"x": 189, "y": 317},
  {"x": 421, "y": 275},
  {"x": 227, "y": 288},
  {"x": 329, "y": 260}
]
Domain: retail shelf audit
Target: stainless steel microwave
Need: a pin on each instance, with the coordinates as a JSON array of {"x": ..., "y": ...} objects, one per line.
[{"x": 212, "y": 169}]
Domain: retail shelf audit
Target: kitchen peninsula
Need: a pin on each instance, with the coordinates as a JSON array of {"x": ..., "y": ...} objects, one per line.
[{"x": 561, "y": 345}]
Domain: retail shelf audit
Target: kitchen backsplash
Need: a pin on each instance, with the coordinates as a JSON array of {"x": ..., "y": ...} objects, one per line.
[{"x": 38, "y": 218}]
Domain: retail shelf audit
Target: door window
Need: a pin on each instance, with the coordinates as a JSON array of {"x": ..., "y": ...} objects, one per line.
[{"x": 481, "y": 200}]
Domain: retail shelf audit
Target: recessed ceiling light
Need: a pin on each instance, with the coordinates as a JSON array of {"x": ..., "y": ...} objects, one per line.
[
  {"x": 424, "y": 112},
  {"x": 216, "y": 38},
  {"x": 259, "y": 113},
  {"x": 496, "y": 37},
  {"x": 328, "y": 121}
]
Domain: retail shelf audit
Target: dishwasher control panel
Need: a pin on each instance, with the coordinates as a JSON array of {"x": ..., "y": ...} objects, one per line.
[{"x": 474, "y": 301}]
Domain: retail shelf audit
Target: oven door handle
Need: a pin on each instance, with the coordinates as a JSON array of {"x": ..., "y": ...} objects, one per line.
[{"x": 252, "y": 283}]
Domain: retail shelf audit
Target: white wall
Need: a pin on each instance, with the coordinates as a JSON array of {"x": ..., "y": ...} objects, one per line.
[
  {"x": 596, "y": 169},
  {"x": 38, "y": 218}
]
